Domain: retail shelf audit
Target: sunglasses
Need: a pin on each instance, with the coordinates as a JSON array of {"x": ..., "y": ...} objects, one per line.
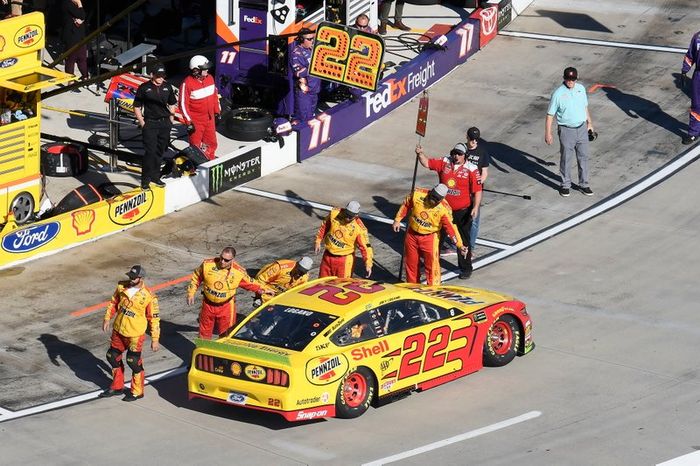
[
  {"x": 223, "y": 259},
  {"x": 310, "y": 39}
]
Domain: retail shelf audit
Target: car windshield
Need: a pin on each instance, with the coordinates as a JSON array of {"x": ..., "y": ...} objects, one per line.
[{"x": 284, "y": 326}]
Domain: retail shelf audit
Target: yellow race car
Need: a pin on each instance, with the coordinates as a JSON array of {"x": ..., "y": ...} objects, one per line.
[{"x": 332, "y": 347}]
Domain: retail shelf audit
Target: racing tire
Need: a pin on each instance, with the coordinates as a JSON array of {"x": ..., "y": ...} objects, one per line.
[
  {"x": 423, "y": 2},
  {"x": 502, "y": 341},
  {"x": 22, "y": 207},
  {"x": 64, "y": 159},
  {"x": 355, "y": 393},
  {"x": 248, "y": 124}
]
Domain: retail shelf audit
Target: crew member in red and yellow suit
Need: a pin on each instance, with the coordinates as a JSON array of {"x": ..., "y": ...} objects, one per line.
[
  {"x": 136, "y": 307},
  {"x": 220, "y": 277},
  {"x": 340, "y": 232},
  {"x": 199, "y": 104},
  {"x": 282, "y": 275},
  {"x": 429, "y": 212}
]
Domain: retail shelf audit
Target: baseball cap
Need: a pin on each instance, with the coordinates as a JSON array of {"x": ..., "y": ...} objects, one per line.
[
  {"x": 305, "y": 263},
  {"x": 461, "y": 148},
  {"x": 136, "y": 271},
  {"x": 571, "y": 73},
  {"x": 473, "y": 133},
  {"x": 353, "y": 208},
  {"x": 438, "y": 192},
  {"x": 158, "y": 70}
]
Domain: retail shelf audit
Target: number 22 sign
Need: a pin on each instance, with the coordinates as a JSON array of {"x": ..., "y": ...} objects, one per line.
[{"x": 347, "y": 56}]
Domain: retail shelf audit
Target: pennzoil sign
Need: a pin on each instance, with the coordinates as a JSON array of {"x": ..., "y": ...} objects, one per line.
[
  {"x": 130, "y": 208},
  {"x": 29, "y": 35}
]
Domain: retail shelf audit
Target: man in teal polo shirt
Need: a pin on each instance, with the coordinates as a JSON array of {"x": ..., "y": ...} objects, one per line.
[{"x": 569, "y": 104}]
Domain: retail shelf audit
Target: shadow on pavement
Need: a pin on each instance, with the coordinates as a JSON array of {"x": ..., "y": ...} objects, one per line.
[
  {"x": 639, "y": 107},
  {"x": 85, "y": 365},
  {"x": 527, "y": 164},
  {"x": 174, "y": 391}
]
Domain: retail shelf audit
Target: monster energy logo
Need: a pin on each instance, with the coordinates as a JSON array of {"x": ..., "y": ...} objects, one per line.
[{"x": 232, "y": 172}]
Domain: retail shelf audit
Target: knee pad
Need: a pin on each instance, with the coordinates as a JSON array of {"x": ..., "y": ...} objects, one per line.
[
  {"x": 114, "y": 358},
  {"x": 132, "y": 359}
]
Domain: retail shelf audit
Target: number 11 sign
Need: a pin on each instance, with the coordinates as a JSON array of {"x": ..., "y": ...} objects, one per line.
[{"x": 348, "y": 56}]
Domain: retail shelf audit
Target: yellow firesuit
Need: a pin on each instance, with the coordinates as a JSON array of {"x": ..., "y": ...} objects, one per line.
[
  {"x": 277, "y": 277},
  {"x": 424, "y": 219},
  {"x": 135, "y": 309},
  {"x": 340, "y": 239},
  {"x": 219, "y": 285}
]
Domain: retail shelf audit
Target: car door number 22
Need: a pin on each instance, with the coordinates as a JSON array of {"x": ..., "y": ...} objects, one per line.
[{"x": 434, "y": 355}]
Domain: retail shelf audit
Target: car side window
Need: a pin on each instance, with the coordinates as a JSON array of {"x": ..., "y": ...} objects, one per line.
[
  {"x": 361, "y": 328},
  {"x": 408, "y": 314}
]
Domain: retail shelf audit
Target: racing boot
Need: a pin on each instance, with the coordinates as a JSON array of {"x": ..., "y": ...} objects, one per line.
[
  {"x": 398, "y": 24},
  {"x": 382, "y": 28}
]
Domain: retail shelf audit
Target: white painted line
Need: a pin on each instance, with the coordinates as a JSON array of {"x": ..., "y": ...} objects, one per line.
[
  {"x": 10, "y": 415},
  {"x": 691, "y": 459},
  {"x": 457, "y": 438},
  {"x": 327, "y": 208},
  {"x": 603, "y": 43}
]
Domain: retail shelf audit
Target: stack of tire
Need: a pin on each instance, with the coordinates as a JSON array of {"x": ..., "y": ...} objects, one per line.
[
  {"x": 64, "y": 159},
  {"x": 247, "y": 124}
]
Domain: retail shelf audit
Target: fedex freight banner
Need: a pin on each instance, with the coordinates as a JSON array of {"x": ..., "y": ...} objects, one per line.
[{"x": 409, "y": 81}]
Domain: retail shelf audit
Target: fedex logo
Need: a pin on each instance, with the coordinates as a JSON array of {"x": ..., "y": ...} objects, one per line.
[
  {"x": 252, "y": 19},
  {"x": 394, "y": 89}
]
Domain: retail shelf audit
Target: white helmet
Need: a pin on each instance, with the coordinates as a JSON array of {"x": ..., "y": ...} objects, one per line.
[{"x": 199, "y": 62}]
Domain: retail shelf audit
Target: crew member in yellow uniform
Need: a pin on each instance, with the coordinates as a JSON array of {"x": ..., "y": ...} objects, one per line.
[
  {"x": 282, "y": 275},
  {"x": 220, "y": 277},
  {"x": 429, "y": 212},
  {"x": 136, "y": 307},
  {"x": 340, "y": 232}
]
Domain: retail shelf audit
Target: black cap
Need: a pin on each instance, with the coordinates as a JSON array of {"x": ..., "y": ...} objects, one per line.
[
  {"x": 158, "y": 70},
  {"x": 473, "y": 133},
  {"x": 570, "y": 74},
  {"x": 135, "y": 272}
]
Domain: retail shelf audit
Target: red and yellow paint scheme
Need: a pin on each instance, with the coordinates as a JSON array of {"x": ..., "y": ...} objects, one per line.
[{"x": 333, "y": 346}]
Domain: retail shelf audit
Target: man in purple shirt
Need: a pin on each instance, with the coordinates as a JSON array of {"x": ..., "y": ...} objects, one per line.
[
  {"x": 306, "y": 87},
  {"x": 691, "y": 58}
]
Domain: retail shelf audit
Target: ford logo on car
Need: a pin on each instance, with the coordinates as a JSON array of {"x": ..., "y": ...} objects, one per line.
[
  {"x": 8, "y": 62},
  {"x": 28, "y": 239}
]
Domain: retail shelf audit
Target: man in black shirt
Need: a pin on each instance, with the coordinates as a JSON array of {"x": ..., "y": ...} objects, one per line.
[
  {"x": 479, "y": 158},
  {"x": 154, "y": 107}
]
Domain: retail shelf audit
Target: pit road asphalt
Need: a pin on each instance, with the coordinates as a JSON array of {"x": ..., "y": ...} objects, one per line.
[{"x": 614, "y": 375}]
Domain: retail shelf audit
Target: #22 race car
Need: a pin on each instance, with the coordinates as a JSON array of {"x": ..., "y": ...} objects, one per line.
[{"x": 332, "y": 347}]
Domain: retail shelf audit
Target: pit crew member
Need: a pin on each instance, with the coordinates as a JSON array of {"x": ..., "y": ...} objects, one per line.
[
  {"x": 306, "y": 87},
  {"x": 691, "y": 59},
  {"x": 340, "y": 232},
  {"x": 282, "y": 275},
  {"x": 199, "y": 103},
  {"x": 136, "y": 308}
]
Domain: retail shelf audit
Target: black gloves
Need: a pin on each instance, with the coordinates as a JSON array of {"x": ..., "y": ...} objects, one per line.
[{"x": 190, "y": 128}]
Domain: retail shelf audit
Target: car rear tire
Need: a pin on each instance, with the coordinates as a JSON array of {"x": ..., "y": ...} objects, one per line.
[
  {"x": 502, "y": 342},
  {"x": 355, "y": 393}
]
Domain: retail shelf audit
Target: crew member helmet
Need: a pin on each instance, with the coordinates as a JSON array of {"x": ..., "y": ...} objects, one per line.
[{"x": 199, "y": 62}]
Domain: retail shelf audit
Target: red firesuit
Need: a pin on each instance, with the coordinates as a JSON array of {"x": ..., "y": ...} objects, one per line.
[
  {"x": 199, "y": 103},
  {"x": 422, "y": 239},
  {"x": 219, "y": 287},
  {"x": 340, "y": 238},
  {"x": 135, "y": 308}
]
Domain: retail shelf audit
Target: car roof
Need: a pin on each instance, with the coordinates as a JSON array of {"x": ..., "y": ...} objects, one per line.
[{"x": 340, "y": 296}]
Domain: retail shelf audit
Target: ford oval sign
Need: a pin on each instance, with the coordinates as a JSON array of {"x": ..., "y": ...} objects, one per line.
[
  {"x": 28, "y": 239},
  {"x": 8, "y": 62}
]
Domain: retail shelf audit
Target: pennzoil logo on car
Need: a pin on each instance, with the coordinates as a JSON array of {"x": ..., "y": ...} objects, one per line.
[
  {"x": 130, "y": 208},
  {"x": 29, "y": 35},
  {"x": 256, "y": 373},
  {"x": 30, "y": 238},
  {"x": 326, "y": 369}
]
